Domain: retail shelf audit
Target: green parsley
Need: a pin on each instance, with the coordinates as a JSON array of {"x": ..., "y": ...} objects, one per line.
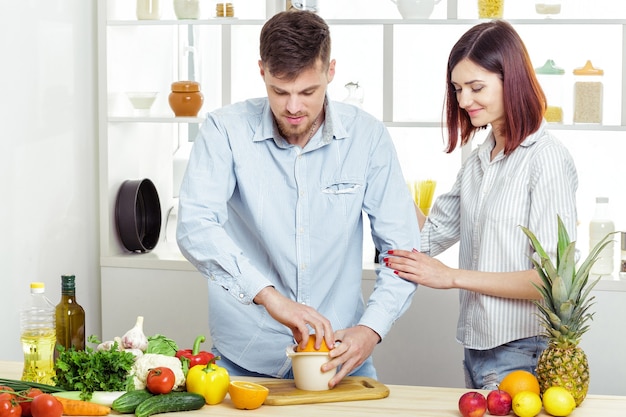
[{"x": 89, "y": 370}]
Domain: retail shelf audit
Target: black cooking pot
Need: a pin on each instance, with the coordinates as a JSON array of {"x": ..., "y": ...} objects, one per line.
[{"x": 138, "y": 215}]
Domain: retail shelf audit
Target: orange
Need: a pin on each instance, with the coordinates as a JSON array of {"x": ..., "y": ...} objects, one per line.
[
  {"x": 247, "y": 395},
  {"x": 518, "y": 381},
  {"x": 310, "y": 345}
]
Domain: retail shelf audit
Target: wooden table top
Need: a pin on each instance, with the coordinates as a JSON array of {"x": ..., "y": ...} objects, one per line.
[{"x": 403, "y": 400}]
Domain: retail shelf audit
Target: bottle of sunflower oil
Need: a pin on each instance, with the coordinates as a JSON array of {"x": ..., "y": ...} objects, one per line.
[{"x": 38, "y": 336}]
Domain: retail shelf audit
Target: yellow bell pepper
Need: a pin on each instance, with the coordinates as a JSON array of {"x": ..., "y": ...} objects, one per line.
[{"x": 210, "y": 381}]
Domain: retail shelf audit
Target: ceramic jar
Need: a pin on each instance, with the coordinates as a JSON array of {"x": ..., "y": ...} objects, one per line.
[
  {"x": 187, "y": 9},
  {"x": 186, "y": 99},
  {"x": 415, "y": 9},
  {"x": 148, "y": 10}
]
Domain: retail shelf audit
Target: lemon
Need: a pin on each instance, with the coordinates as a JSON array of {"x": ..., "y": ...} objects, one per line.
[
  {"x": 558, "y": 401},
  {"x": 526, "y": 404}
]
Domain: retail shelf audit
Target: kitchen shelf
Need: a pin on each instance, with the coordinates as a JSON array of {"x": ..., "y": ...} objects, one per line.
[
  {"x": 362, "y": 22},
  {"x": 200, "y": 120},
  {"x": 154, "y": 119},
  {"x": 123, "y": 136}
]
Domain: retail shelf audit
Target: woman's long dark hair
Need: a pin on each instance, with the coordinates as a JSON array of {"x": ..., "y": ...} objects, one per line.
[{"x": 497, "y": 47}]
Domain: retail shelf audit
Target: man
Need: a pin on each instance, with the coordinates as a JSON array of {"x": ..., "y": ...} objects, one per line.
[{"x": 271, "y": 213}]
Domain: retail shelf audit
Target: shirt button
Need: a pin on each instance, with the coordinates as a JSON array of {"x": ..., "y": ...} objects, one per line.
[{"x": 241, "y": 295}]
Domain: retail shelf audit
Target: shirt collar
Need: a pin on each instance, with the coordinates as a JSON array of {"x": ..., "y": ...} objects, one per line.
[
  {"x": 332, "y": 128},
  {"x": 488, "y": 144}
]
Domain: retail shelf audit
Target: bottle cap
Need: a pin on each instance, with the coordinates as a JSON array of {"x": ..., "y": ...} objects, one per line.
[
  {"x": 602, "y": 199},
  {"x": 67, "y": 282},
  {"x": 37, "y": 287}
]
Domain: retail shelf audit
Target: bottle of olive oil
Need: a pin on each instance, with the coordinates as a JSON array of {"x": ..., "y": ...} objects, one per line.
[
  {"x": 70, "y": 317},
  {"x": 38, "y": 336}
]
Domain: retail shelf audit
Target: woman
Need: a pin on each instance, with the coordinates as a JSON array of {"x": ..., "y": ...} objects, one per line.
[{"x": 520, "y": 175}]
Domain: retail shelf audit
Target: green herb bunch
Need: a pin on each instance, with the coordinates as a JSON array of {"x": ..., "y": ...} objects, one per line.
[{"x": 92, "y": 370}]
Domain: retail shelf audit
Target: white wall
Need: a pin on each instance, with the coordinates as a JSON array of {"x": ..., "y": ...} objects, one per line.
[{"x": 48, "y": 157}]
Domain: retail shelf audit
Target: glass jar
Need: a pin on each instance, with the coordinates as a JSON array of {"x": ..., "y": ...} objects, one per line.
[
  {"x": 588, "y": 92},
  {"x": 310, "y": 5},
  {"x": 148, "y": 10},
  {"x": 550, "y": 78},
  {"x": 187, "y": 9},
  {"x": 490, "y": 9},
  {"x": 223, "y": 9},
  {"x": 185, "y": 99}
]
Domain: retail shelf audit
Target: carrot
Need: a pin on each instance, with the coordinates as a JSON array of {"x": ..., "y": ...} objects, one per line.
[{"x": 82, "y": 408}]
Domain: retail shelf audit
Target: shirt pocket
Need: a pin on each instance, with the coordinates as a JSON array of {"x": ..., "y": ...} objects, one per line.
[
  {"x": 339, "y": 187},
  {"x": 342, "y": 197}
]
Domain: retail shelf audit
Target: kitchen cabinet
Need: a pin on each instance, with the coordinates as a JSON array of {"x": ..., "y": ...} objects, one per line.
[{"x": 405, "y": 90}]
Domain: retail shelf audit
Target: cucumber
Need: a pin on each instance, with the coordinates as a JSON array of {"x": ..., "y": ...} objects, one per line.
[
  {"x": 166, "y": 403},
  {"x": 128, "y": 402}
]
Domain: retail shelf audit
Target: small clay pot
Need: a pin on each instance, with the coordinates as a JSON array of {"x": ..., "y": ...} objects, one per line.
[{"x": 186, "y": 98}]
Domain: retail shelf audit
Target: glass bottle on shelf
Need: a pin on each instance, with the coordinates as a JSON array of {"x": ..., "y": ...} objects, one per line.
[
  {"x": 70, "y": 316},
  {"x": 601, "y": 224},
  {"x": 355, "y": 94},
  {"x": 38, "y": 336}
]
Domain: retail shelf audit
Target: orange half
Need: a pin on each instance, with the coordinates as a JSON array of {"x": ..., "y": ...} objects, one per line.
[
  {"x": 247, "y": 395},
  {"x": 310, "y": 346}
]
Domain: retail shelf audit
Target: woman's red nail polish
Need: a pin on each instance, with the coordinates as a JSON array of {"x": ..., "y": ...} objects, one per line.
[
  {"x": 395, "y": 272},
  {"x": 390, "y": 252},
  {"x": 385, "y": 260}
]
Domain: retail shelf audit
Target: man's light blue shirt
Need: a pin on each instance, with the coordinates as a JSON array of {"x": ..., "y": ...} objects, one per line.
[{"x": 256, "y": 211}]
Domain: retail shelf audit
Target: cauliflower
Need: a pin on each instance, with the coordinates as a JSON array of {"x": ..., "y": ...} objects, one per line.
[{"x": 144, "y": 363}]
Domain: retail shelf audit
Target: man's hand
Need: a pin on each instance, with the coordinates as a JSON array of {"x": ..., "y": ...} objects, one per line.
[
  {"x": 296, "y": 316},
  {"x": 356, "y": 345}
]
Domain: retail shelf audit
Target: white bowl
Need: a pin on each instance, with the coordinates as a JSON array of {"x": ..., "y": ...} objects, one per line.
[
  {"x": 142, "y": 100},
  {"x": 307, "y": 372}
]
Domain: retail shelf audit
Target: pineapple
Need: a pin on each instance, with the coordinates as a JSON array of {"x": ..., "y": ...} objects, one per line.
[{"x": 564, "y": 313}]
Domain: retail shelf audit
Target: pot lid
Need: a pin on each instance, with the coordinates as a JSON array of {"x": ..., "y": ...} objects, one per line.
[{"x": 183, "y": 86}]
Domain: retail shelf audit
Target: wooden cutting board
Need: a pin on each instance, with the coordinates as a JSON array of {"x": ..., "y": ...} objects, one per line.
[{"x": 352, "y": 388}]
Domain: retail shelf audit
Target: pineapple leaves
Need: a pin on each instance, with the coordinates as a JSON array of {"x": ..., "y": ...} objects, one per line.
[{"x": 564, "y": 309}]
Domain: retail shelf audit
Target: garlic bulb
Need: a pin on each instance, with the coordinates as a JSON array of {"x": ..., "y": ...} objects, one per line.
[
  {"x": 108, "y": 345},
  {"x": 135, "y": 338}
]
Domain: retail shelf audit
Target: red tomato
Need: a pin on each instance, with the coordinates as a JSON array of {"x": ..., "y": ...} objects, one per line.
[
  {"x": 160, "y": 380},
  {"x": 46, "y": 405},
  {"x": 10, "y": 408},
  {"x": 6, "y": 395},
  {"x": 26, "y": 402}
]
